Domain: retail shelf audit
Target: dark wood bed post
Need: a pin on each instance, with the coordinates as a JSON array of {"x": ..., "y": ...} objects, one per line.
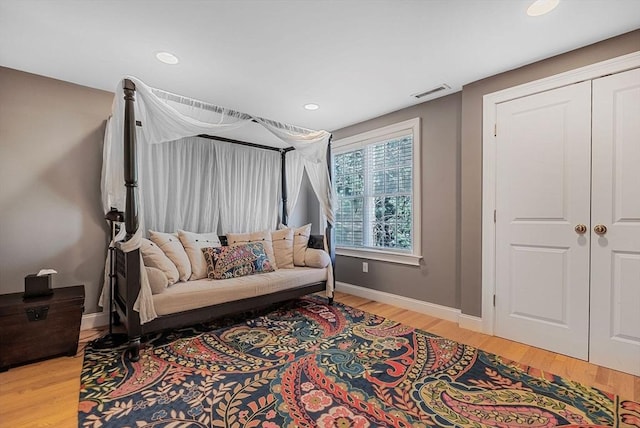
[
  {"x": 331, "y": 241},
  {"x": 131, "y": 218},
  {"x": 130, "y": 161},
  {"x": 283, "y": 181}
]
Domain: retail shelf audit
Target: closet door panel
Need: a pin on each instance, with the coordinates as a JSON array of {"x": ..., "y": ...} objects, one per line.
[
  {"x": 615, "y": 254},
  {"x": 542, "y": 194}
]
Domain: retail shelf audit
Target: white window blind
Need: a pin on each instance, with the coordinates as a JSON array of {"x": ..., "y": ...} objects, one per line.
[{"x": 374, "y": 181}]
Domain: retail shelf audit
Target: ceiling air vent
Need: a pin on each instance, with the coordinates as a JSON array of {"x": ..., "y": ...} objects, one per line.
[{"x": 442, "y": 87}]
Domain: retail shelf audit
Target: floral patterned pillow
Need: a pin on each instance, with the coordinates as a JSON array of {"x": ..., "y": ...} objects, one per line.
[{"x": 236, "y": 261}]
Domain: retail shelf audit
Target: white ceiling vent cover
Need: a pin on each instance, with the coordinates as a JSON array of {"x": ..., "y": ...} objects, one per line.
[{"x": 442, "y": 87}]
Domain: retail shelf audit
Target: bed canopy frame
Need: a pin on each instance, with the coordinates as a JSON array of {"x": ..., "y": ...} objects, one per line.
[
  {"x": 128, "y": 266},
  {"x": 131, "y": 166}
]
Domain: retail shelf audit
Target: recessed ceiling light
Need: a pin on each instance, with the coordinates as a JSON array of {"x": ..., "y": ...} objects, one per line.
[
  {"x": 540, "y": 7},
  {"x": 167, "y": 58},
  {"x": 311, "y": 106}
]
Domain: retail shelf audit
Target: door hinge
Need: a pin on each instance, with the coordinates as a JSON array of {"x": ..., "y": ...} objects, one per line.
[
  {"x": 494, "y": 216},
  {"x": 495, "y": 129},
  {"x": 494, "y": 300}
]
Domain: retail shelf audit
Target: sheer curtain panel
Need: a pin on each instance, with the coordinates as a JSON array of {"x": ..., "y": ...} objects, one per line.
[
  {"x": 248, "y": 188},
  {"x": 178, "y": 185}
]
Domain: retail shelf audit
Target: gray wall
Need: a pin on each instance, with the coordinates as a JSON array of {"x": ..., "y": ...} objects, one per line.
[
  {"x": 307, "y": 208},
  {"x": 51, "y": 157},
  {"x": 451, "y": 273},
  {"x": 471, "y": 178},
  {"x": 50, "y": 161},
  {"x": 436, "y": 279}
]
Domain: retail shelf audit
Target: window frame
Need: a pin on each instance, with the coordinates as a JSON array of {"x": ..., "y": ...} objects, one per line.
[{"x": 355, "y": 142}]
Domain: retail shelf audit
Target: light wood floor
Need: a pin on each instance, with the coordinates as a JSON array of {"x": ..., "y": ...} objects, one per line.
[{"x": 45, "y": 394}]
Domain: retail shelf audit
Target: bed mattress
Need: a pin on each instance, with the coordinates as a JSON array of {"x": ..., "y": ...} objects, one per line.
[{"x": 184, "y": 296}]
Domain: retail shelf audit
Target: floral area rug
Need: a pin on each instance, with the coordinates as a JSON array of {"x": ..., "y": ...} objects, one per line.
[{"x": 307, "y": 364}]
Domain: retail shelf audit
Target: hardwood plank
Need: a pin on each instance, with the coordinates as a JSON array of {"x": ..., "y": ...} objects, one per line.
[{"x": 45, "y": 394}]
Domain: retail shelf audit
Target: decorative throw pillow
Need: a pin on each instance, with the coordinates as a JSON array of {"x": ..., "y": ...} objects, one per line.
[
  {"x": 300, "y": 241},
  {"x": 153, "y": 256},
  {"x": 193, "y": 244},
  {"x": 263, "y": 236},
  {"x": 316, "y": 258},
  {"x": 172, "y": 247},
  {"x": 236, "y": 261},
  {"x": 157, "y": 280},
  {"x": 283, "y": 247}
]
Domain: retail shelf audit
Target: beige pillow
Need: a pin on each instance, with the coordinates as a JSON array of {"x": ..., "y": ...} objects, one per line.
[
  {"x": 300, "y": 241},
  {"x": 283, "y": 247},
  {"x": 157, "y": 280},
  {"x": 316, "y": 258},
  {"x": 193, "y": 244},
  {"x": 153, "y": 256},
  {"x": 172, "y": 247},
  {"x": 263, "y": 236}
]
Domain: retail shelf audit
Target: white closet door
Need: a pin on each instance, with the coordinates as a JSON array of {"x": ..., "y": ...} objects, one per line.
[
  {"x": 615, "y": 254},
  {"x": 542, "y": 194}
]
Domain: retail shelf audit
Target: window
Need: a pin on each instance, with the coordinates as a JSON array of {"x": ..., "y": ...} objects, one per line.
[{"x": 377, "y": 182}]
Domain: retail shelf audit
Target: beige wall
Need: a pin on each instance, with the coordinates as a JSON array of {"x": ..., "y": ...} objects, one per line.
[
  {"x": 50, "y": 162},
  {"x": 471, "y": 170},
  {"x": 436, "y": 279}
]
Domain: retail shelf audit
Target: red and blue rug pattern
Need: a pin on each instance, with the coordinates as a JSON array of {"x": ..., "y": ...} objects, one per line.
[{"x": 307, "y": 364}]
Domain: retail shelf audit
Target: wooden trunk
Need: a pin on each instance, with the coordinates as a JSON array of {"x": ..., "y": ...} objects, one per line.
[{"x": 40, "y": 327}]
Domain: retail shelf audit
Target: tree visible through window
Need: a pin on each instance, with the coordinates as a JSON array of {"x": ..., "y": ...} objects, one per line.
[{"x": 374, "y": 186}]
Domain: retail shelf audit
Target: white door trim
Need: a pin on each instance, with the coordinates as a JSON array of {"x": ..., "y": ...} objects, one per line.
[{"x": 599, "y": 69}]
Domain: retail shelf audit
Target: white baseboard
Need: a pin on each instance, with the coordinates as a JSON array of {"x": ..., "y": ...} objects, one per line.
[
  {"x": 96, "y": 319},
  {"x": 470, "y": 322},
  {"x": 438, "y": 311}
]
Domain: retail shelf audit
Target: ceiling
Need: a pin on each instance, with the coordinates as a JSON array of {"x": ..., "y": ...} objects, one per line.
[{"x": 356, "y": 59}]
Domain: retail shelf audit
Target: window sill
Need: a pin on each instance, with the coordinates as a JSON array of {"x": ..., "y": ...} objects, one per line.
[{"x": 385, "y": 256}]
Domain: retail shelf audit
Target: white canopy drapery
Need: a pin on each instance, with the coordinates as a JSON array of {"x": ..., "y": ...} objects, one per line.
[
  {"x": 176, "y": 181},
  {"x": 202, "y": 186},
  {"x": 168, "y": 117},
  {"x": 248, "y": 183}
]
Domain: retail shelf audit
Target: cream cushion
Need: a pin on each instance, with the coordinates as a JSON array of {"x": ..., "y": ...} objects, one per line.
[
  {"x": 157, "y": 280},
  {"x": 283, "y": 247},
  {"x": 263, "y": 236},
  {"x": 300, "y": 242},
  {"x": 316, "y": 258},
  {"x": 153, "y": 256},
  {"x": 193, "y": 244},
  {"x": 205, "y": 292},
  {"x": 172, "y": 247}
]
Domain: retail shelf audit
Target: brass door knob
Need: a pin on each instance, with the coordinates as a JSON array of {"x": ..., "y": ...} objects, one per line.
[
  {"x": 600, "y": 229},
  {"x": 581, "y": 228}
]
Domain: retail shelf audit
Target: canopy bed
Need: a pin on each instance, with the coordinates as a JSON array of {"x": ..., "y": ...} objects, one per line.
[{"x": 171, "y": 163}]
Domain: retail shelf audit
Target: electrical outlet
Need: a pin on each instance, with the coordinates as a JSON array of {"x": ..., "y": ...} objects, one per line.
[{"x": 365, "y": 267}]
